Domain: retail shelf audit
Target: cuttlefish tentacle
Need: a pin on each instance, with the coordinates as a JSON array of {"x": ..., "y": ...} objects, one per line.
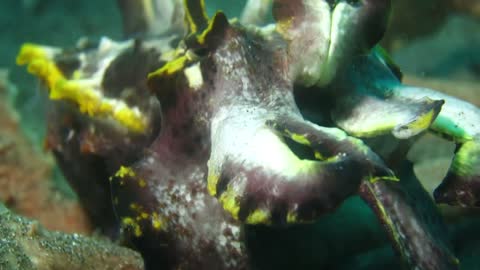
[
  {"x": 366, "y": 105},
  {"x": 84, "y": 90},
  {"x": 405, "y": 111},
  {"x": 412, "y": 221}
]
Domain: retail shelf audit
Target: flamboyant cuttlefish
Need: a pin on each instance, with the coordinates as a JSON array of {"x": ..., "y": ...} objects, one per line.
[{"x": 201, "y": 130}]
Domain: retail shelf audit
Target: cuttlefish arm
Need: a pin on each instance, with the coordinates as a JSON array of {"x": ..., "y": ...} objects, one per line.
[
  {"x": 268, "y": 165},
  {"x": 323, "y": 36},
  {"x": 285, "y": 170},
  {"x": 101, "y": 114},
  {"x": 366, "y": 105},
  {"x": 373, "y": 101},
  {"x": 94, "y": 80},
  {"x": 255, "y": 127},
  {"x": 412, "y": 221},
  {"x": 324, "y": 41},
  {"x": 458, "y": 121}
]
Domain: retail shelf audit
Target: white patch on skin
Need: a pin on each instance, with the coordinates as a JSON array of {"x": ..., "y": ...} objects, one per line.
[
  {"x": 341, "y": 27},
  {"x": 194, "y": 76},
  {"x": 242, "y": 133},
  {"x": 222, "y": 239},
  {"x": 83, "y": 62},
  {"x": 108, "y": 51},
  {"x": 331, "y": 40},
  {"x": 393, "y": 113},
  {"x": 237, "y": 246},
  {"x": 310, "y": 68},
  {"x": 235, "y": 231},
  {"x": 150, "y": 160}
]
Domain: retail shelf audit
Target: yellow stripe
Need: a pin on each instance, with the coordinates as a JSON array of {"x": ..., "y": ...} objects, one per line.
[
  {"x": 259, "y": 216},
  {"x": 125, "y": 171},
  {"x": 229, "y": 201},
  {"x": 212, "y": 182},
  {"x": 192, "y": 8},
  {"x": 423, "y": 122},
  {"x": 170, "y": 68},
  {"x": 90, "y": 101},
  {"x": 383, "y": 212}
]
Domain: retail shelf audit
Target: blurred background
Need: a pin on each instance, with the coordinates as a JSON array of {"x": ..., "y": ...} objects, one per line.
[{"x": 436, "y": 43}]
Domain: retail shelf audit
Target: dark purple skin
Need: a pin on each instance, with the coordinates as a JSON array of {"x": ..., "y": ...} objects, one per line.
[
  {"x": 422, "y": 241},
  {"x": 170, "y": 162},
  {"x": 461, "y": 186},
  {"x": 365, "y": 30},
  {"x": 458, "y": 190},
  {"x": 174, "y": 166},
  {"x": 89, "y": 151}
]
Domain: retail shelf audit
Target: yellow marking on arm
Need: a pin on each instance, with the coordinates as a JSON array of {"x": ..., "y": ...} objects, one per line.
[
  {"x": 423, "y": 122},
  {"x": 389, "y": 222},
  {"x": 212, "y": 182},
  {"x": 142, "y": 183},
  {"x": 283, "y": 27},
  {"x": 170, "y": 68},
  {"x": 292, "y": 217},
  {"x": 383, "y": 178},
  {"x": 39, "y": 61},
  {"x": 125, "y": 171},
  {"x": 466, "y": 162},
  {"x": 194, "y": 76},
  {"x": 30, "y": 51},
  {"x": 131, "y": 223},
  {"x": 386, "y": 218},
  {"x": 319, "y": 155},
  {"x": 259, "y": 216},
  {"x": 157, "y": 222},
  {"x": 195, "y": 23},
  {"x": 299, "y": 138},
  {"x": 144, "y": 215},
  {"x": 202, "y": 37},
  {"x": 230, "y": 203},
  {"x": 135, "y": 206}
]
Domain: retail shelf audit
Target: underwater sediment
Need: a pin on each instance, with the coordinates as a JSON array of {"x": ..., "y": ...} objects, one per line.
[{"x": 212, "y": 143}]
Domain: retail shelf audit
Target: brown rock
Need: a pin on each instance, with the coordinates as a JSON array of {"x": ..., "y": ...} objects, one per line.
[
  {"x": 25, "y": 244},
  {"x": 25, "y": 175}
]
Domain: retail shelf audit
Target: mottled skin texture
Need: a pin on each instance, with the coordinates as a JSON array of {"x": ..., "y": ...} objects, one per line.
[
  {"x": 197, "y": 232},
  {"x": 88, "y": 152},
  {"x": 233, "y": 135}
]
